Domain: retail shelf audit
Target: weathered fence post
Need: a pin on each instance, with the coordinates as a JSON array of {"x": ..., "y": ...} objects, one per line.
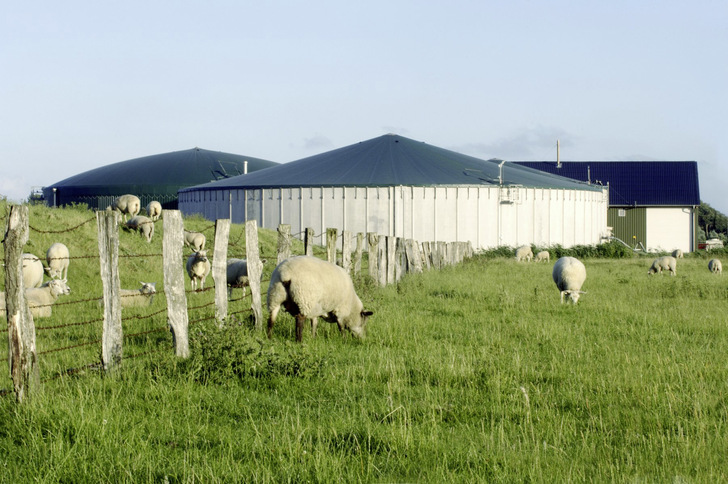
[
  {"x": 391, "y": 257},
  {"x": 219, "y": 268},
  {"x": 382, "y": 262},
  {"x": 174, "y": 282},
  {"x": 107, "y": 225},
  {"x": 414, "y": 259},
  {"x": 308, "y": 242},
  {"x": 346, "y": 251},
  {"x": 399, "y": 258},
  {"x": 331, "y": 236},
  {"x": 426, "y": 255},
  {"x": 255, "y": 269},
  {"x": 284, "y": 242},
  {"x": 22, "y": 356},
  {"x": 373, "y": 243},
  {"x": 359, "y": 250}
]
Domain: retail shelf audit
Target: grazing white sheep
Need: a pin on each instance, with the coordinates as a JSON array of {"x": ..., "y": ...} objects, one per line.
[
  {"x": 569, "y": 274},
  {"x": 677, "y": 253},
  {"x": 58, "y": 259},
  {"x": 32, "y": 271},
  {"x": 664, "y": 263},
  {"x": 154, "y": 210},
  {"x": 715, "y": 266},
  {"x": 309, "y": 288},
  {"x": 41, "y": 298},
  {"x": 237, "y": 274},
  {"x": 524, "y": 253},
  {"x": 195, "y": 240},
  {"x": 143, "y": 224},
  {"x": 138, "y": 297},
  {"x": 198, "y": 267},
  {"x": 127, "y": 204},
  {"x": 543, "y": 256}
]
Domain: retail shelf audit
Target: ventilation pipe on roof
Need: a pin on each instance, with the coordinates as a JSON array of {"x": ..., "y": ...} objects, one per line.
[
  {"x": 245, "y": 167},
  {"x": 500, "y": 172},
  {"x": 558, "y": 154}
]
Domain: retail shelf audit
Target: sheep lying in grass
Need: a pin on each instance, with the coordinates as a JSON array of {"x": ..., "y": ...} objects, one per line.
[
  {"x": 664, "y": 263},
  {"x": 569, "y": 274},
  {"x": 57, "y": 257},
  {"x": 144, "y": 225},
  {"x": 138, "y": 297},
  {"x": 32, "y": 271},
  {"x": 524, "y": 253},
  {"x": 41, "y": 298},
  {"x": 198, "y": 267},
  {"x": 154, "y": 210},
  {"x": 127, "y": 204},
  {"x": 543, "y": 256},
  {"x": 677, "y": 253},
  {"x": 715, "y": 266},
  {"x": 237, "y": 274},
  {"x": 309, "y": 288},
  {"x": 195, "y": 240}
]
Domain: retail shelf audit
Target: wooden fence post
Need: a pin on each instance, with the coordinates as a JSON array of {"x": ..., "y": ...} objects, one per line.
[
  {"x": 174, "y": 282},
  {"x": 399, "y": 258},
  {"x": 382, "y": 262},
  {"x": 308, "y": 242},
  {"x": 107, "y": 225},
  {"x": 255, "y": 269},
  {"x": 346, "y": 251},
  {"x": 219, "y": 268},
  {"x": 22, "y": 356},
  {"x": 358, "y": 254},
  {"x": 373, "y": 251},
  {"x": 414, "y": 259},
  {"x": 426, "y": 255},
  {"x": 391, "y": 253},
  {"x": 331, "y": 236},
  {"x": 284, "y": 242}
]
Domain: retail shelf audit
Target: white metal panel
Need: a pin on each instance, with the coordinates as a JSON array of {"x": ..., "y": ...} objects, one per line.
[{"x": 669, "y": 228}]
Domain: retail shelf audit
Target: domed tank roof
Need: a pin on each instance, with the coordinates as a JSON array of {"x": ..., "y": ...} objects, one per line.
[
  {"x": 154, "y": 177},
  {"x": 393, "y": 160}
]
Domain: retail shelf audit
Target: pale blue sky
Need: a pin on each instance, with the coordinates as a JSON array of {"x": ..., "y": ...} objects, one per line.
[{"x": 85, "y": 84}]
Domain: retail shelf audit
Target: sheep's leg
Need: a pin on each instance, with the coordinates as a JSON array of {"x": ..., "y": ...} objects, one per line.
[
  {"x": 272, "y": 319},
  {"x": 314, "y": 323},
  {"x": 300, "y": 323}
]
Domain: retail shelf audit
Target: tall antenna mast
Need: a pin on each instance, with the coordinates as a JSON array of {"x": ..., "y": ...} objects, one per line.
[{"x": 558, "y": 154}]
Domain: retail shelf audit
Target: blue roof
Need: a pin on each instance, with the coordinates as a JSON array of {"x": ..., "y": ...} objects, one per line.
[
  {"x": 391, "y": 160},
  {"x": 633, "y": 183}
]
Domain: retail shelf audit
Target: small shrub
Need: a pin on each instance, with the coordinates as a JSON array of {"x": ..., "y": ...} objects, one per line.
[{"x": 231, "y": 351}]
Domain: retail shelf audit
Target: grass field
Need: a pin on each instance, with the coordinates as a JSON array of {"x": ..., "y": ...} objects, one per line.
[{"x": 474, "y": 373}]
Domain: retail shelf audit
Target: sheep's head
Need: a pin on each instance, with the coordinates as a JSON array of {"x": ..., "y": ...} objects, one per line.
[
  {"x": 359, "y": 325},
  {"x": 573, "y": 296},
  {"x": 148, "y": 287},
  {"x": 201, "y": 255},
  {"x": 59, "y": 287}
]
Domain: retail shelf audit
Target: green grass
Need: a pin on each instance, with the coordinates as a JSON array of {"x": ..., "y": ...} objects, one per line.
[{"x": 474, "y": 373}]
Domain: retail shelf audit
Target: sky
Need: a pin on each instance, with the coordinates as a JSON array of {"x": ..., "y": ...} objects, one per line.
[{"x": 86, "y": 83}]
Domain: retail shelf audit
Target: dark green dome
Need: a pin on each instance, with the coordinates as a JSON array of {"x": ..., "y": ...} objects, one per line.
[{"x": 155, "y": 177}]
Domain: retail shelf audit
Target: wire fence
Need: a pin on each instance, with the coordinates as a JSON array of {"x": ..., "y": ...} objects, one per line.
[{"x": 68, "y": 334}]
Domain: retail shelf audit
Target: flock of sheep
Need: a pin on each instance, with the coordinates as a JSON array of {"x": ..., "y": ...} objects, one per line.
[
  {"x": 306, "y": 287},
  {"x": 569, "y": 273}
]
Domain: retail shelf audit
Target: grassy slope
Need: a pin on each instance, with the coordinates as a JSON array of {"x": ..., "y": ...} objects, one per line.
[{"x": 474, "y": 373}]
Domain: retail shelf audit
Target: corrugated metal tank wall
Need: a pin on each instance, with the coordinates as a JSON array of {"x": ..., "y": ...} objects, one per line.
[{"x": 487, "y": 216}]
